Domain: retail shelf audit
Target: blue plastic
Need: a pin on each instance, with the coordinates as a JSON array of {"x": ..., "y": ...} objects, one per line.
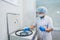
[
  {"x": 26, "y": 29},
  {"x": 42, "y": 28},
  {"x": 42, "y": 9}
]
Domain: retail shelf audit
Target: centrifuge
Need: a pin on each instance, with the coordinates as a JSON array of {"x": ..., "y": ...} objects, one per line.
[{"x": 22, "y": 35}]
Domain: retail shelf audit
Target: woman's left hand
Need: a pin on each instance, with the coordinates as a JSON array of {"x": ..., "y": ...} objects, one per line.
[{"x": 49, "y": 29}]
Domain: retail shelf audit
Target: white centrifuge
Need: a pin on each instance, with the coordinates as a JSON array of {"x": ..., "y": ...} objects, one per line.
[
  {"x": 20, "y": 35},
  {"x": 13, "y": 26}
]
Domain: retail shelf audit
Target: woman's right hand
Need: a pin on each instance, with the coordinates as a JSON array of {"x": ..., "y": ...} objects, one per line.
[{"x": 32, "y": 26}]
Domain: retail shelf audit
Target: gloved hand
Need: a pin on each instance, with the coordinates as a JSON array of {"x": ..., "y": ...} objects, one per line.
[
  {"x": 42, "y": 28},
  {"x": 26, "y": 29}
]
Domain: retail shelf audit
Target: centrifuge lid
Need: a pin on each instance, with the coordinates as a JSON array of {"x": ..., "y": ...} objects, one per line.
[{"x": 23, "y": 34}]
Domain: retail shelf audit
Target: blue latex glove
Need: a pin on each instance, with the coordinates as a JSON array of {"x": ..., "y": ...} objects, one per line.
[
  {"x": 26, "y": 29},
  {"x": 42, "y": 28}
]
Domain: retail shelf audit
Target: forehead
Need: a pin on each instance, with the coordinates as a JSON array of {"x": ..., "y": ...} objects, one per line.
[{"x": 40, "y": 12}]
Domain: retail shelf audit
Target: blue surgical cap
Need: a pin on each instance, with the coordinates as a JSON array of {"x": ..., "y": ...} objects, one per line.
[{"x": 42, "y": 9}]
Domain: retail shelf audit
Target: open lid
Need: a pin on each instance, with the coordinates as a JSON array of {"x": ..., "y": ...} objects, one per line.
[{"x": 13, "y": 22}]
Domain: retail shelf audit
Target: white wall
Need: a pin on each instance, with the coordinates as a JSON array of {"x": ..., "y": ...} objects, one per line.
[
  {"x": 29, "y": 12},
  {"x": 7, "y": 8}
]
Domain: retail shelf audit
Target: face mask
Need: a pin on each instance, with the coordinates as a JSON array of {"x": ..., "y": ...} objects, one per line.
[{"x": 41, "y": 15}]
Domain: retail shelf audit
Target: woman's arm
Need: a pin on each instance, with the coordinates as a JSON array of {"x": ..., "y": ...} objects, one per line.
[
  {"x": 32, "y": 26},
  {"x": 49, "y": 29}
]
